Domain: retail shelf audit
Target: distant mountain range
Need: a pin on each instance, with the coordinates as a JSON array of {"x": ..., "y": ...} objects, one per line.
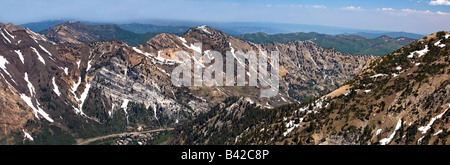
[
  {"x": 389, "y": 34},
  {"x": 135, "y": 34},
  {"x": 231, "y": 28},
  {"x": 351, "y": 44},
  {"x": 77, "y": 32}
]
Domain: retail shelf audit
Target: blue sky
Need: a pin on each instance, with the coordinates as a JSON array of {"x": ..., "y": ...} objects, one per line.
[{"x": 418, "y": 16}]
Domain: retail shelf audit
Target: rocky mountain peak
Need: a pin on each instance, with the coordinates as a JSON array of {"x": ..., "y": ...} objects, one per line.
[{"x": 72, "y": 32}]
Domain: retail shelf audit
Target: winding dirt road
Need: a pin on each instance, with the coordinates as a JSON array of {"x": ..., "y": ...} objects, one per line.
[{"x": 90, "y": 140}]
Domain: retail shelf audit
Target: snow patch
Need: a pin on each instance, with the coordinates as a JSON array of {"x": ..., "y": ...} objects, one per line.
[
  {"x": 55, "y": 87},
  {"x": 438, "y": 132},
  {"x": 45, "y": 50},
  {"x": 193, "y": 47},
  {"x": 88, "y": 65},
  {"x": 182, "y": 39},
  {"x": 249, "y": 100},
  {"x": 424, "y": 129},
  {"x": 386, "y": 141},
  {"x": 290, "y": 127},
  {"x": 39, "y": 55},
  {"x": 378, "y": 132},
  {"x": 3, "y": 63},
  {"x": 30, "y": 85},
  {"x": 125, "y": 104},
  {"x": 420, "y": 52},
  {"x": 66, "y": 71},
  {"x": 438, "y": 44},
  {"x": 7, "y": 39},
  {"x": 318, "y": 104},
  {"x": 203, "y": 28},
  {"x": 79, "y": 109},
  {"x": 37, "y": 110},
  {"x": 27, "y": 135},
  {"x": 378, "y": 75},
  {"x": 141, "y": 52},
  {"x": 20, "y": 56},
  {"x": 6, "y": 31},
  {"x": 78, "y": 64}
]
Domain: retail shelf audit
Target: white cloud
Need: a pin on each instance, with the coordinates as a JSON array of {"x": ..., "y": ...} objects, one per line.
[
  {"x": 297, "y": 6},
  {"x": 416, "y": 11},
  {"x": 442, "y": 13},
  {"x": 386, "y": 9},
  {"x": 410, "y": 11},
  {"x": 353, "y": 8},
  {"x": 440, "y": 2},
  {"x": 318, "y": 6}
]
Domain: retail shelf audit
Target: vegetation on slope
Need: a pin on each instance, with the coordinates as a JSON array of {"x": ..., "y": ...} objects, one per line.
[{"x": 346, "y": 44}]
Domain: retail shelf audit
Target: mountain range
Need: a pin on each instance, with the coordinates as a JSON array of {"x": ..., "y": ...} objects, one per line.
[
  {"x": 72, "y": 83},
  {"x": 232, "y": 28},
  {"x": 352, "y": 44},
  {"x": 75, "y": 82},
  {"x": 401, "y": 98}
]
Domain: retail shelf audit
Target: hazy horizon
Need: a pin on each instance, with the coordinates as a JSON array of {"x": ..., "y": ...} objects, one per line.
[{"x": 421, "y": 17}]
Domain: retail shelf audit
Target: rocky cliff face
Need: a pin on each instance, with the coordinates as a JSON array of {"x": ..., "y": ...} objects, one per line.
[
  {"x": 400, "y": 98},
  {"x": 54, "y": 93}
]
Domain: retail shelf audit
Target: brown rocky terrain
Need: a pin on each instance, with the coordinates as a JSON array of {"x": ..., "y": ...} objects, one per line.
[
  {"x": 401, "y": 98},
  {"x": 64, "y": 86}
]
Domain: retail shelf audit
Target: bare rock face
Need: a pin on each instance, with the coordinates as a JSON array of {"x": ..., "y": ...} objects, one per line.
[
  {"x": 83, "y": 88},
  {"x": 402, "y": 98}
]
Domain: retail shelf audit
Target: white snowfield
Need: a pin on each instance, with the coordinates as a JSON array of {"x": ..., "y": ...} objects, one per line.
[
  {"x": 125, "y": 106},
  {"x": 378, "y": 75},
  {"x": 81, "y": 100},
  {"x": 7, "y": 39},
  {"x": 141, "y": 52},
  {"x": 438, "y": 44},
  {"x": 19, "y": 53},
  {"x": 27, "y": 135},
  {"x": 420, "y": 52},
  {"x": 45, "y": 50},
  {"x": 386, "y": 141},
  {"x": 290, "y": 127},
  {"x": 203, "y": 28},
  {"x": 55, "y": 87},
  {"x": 66, "y": 71},
  {"x": 3, "y": 63},
  {"x": 424, "y": 129},
  {"x": 30, "y": 85},
  {"x": 39, "y": 55},
  {"x": 37, "y": 110},
  {"x": 437, "y": 133},
  {"x": 89, "y": 65},
  {"x": 378, "y": 132}
]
